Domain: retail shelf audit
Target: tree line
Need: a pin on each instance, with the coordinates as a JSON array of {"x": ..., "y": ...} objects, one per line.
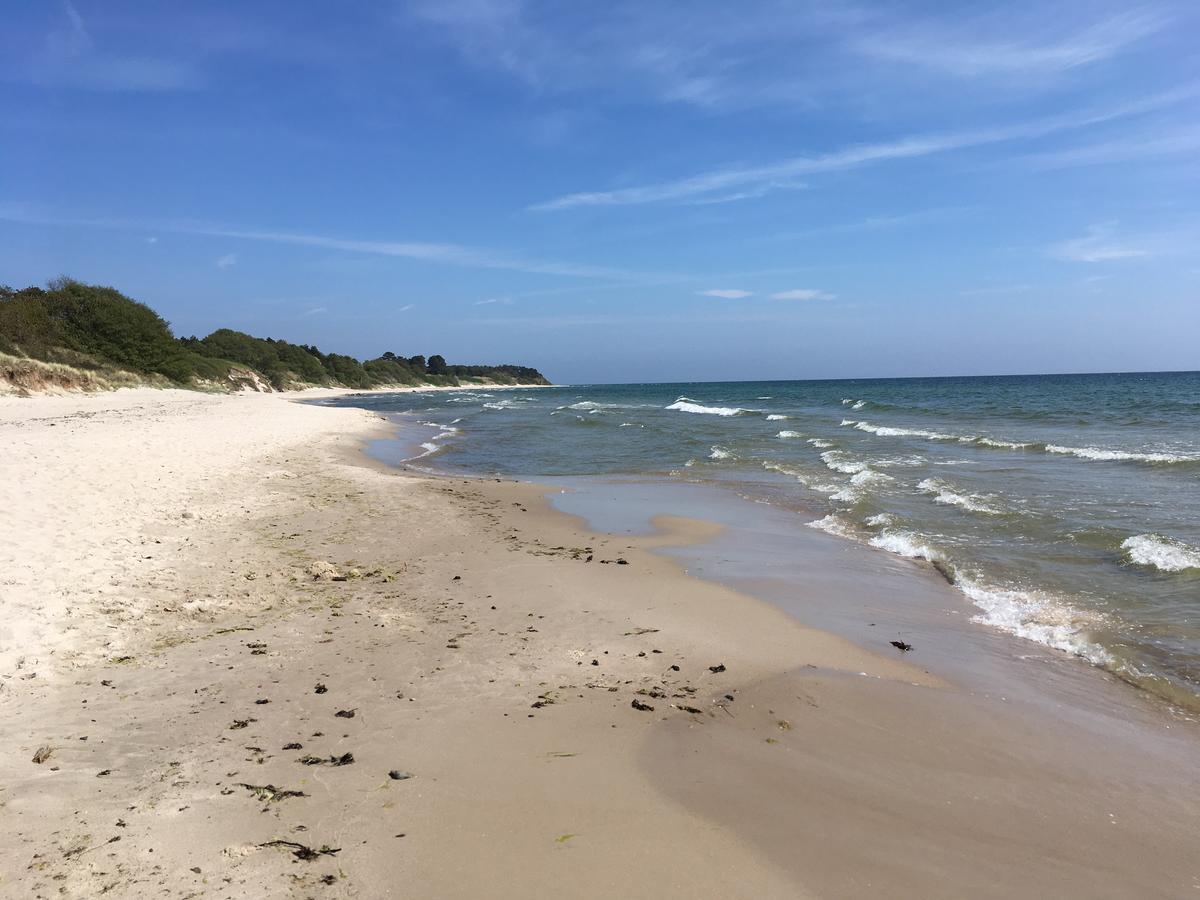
[{"x": 89, "y": 326}]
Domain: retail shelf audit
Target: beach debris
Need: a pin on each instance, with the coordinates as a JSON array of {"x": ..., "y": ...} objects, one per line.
[
  {"x": 240, "y": 723},
  {"x": 783, "y": 725},
  {"x": 346, "y": 713},
  {"x": 268, "y": 793},
  {"x": 344, "y": 760},
  {"x": 320, "y": 688},
  {"x": 303, "y": 852},
  {"x": 563, "y": 838},
  {"x": 327, "y": 879},
  {"x": 257, "y": 648},
  {"x": 717, "y": 669},
  {"x": 622, "y": 562},
  {"x": 638, "y": 631},
  {"x": 901, "y": 646},
  {"x": 674, "y": 668},
  {"x": 643, "y": 707},
  {"x": 398, "y": 775},
  {"x": 261, "y": 701},
  {"x": 325, "y": 571},
  {"x": 688, "y": 709},
  {"x": 43, "y": 754},
  {"x": 595, "y": 662},
  {"x": 294, "y": 745},
  {"x": 103, "y": 772}
]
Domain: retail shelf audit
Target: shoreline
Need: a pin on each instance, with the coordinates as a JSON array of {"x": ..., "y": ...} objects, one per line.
[{"x": 464, "y": 647}]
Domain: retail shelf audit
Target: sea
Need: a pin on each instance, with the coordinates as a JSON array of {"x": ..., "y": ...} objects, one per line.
[{"x": 1064, "y": 508}]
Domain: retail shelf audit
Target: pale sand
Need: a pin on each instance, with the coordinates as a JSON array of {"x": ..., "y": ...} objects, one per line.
[{"x": 162, "y": 542}]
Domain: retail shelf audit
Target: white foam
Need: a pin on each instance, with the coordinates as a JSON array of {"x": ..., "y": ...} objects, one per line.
[
  {"x": 801, "y": 477},
  {"x": 995, "y": 442},
  {"x": 774, "y": 417},
  {"x": 840, "y": 461},
  {"x": 630, "y": 425},
  {"x": 1162, "y": 553},
  {"x": 947, "y": 494},
  {"x": 833, "y": 525},
  {"x": 1035, "y": 616},
  {"x": 721, "y": 453},
  {"x": 1097, "y": 453},
  {"x": 692, "y": 407},
  {"x": 886, "y": 431},
  {"x": 820, "y": 444},
  {"x": 905, "y": 543},
  {"x": 500, "y": 404},
  {"x": 880, "y": 520},
  {"x": 789, "y": 434}
]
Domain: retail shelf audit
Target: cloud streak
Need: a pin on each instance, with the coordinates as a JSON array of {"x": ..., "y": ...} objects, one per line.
[
  {"x": 960, "y": 51},
  {"x": 803, "y": 294},
  {"x": 1098, "y": 245},
  {"x": 444, "y": 254},
  {"x": 727, "y": 293},
  {"x": 853, "y": 157}
]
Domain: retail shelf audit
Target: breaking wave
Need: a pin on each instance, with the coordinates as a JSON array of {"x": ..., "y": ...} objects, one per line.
[
  {"x": 683, "y": 404},
  {"x": 947, "y": 494},
  {"x": 1162, "y": 553}
]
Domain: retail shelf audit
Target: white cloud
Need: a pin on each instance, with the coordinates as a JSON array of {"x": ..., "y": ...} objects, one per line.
[
  {"x": 803, "y": 294},
  {"x": 1098, "y": 245},
  {"x": 406, "y": 307},
  {"x": 229, "y": 259},
  {"x": 315, "y": 311},
  {"x": 726, "y": 293},
  {"x": 760, "y": 178},
  {"x": 503, "y": 301},
  {"x": 987, "y": 47},
  {"x": 151, "y": 240}
]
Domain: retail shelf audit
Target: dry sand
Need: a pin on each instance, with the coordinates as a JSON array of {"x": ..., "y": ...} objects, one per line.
[{"x": 208, "y": 601}]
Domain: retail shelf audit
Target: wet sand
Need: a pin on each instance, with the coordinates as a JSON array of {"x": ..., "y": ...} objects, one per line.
[{"x": 520, "y": 720}]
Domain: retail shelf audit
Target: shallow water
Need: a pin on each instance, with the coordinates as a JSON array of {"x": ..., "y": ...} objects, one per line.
[{"x": 1065, "y": 508}]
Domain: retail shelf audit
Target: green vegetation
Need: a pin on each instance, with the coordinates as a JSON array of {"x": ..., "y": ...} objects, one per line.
[{"x": 99, "y": 329}]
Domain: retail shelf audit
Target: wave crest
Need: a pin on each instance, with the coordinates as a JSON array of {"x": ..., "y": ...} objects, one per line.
[{"x": 1162, "y": 553}]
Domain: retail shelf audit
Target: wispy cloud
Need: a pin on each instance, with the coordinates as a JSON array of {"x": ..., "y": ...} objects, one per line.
[
  {"x": 492, "y": 301},
  {"x": 71, "y": 57},
  {"x": 446, "y": 254},
  {"x": 726, "y": 293},
  {"x": 406, "y": 307},
  {"x": 1162, "y": 143},
  {"x": 315, "y": 311},
  {"x": 987, "y": 47},
  {"x": 1100, "y": 244},
  {"x": 803, "y": 294},
  {"x": 224, "y": 262},
  {"x": 856, "y": 156}
]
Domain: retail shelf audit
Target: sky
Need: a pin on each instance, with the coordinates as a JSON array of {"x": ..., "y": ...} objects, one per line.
[{"x": 623, "y": 191}]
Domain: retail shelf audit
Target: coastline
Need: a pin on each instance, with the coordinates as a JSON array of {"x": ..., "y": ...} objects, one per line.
[{"x": 472, "y": 603}]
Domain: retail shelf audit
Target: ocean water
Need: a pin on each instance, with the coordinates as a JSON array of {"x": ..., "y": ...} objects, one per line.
[{"x": 1066, "y": 509}]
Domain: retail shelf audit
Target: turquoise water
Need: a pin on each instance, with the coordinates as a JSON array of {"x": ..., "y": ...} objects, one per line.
[{"x": 1065, "y": 508}]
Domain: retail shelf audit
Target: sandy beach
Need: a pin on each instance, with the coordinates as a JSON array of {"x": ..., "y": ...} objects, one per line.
[{"x": 239, "y": 659}]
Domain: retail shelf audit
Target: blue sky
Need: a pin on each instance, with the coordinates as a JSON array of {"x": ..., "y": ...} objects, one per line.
[{"x": 623, "y": 191}]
